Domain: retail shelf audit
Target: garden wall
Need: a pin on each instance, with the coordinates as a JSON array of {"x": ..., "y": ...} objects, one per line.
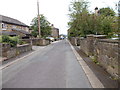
[
  {"x": 9, "y": 52},
  {"x": 38, "y": 42},
  {"x": 105, "y": 51}
]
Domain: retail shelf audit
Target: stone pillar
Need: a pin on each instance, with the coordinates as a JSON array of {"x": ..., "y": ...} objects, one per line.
[{"x": 90, "y": 45}]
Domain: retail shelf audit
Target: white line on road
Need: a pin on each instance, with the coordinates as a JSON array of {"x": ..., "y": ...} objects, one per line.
[{"x": 94, "y": 81}]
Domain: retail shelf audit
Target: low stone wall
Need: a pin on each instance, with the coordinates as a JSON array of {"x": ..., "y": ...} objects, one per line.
[
  {"x": 106, "y": 53},
  {"x": 102, "y": 50},
  {"x": 88, "y": 44},
  {"x": 9, "y": 52},
  {"x": 38, "y": 42},
  {"x": 75, "y": 41}
]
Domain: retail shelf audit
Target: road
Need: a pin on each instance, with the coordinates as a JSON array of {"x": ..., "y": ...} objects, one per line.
[{"x": 54, "y": 66}]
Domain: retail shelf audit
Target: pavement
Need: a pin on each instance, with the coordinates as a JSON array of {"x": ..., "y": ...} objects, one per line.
[{"x": 57, "y": 65}]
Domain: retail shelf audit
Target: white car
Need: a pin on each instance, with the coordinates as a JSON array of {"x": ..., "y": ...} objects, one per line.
[{"x": 50, "y": 38}]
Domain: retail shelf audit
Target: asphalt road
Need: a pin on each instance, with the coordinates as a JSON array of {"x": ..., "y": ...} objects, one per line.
[{"x": 54, "y": 66}]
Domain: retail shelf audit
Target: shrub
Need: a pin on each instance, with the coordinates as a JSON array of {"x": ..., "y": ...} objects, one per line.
[
  {"x": 10, "y": 40},
  {"x": 21, "y": 42},
  {"x": 0, "y": 39},
  {"x": 13, "y": 41},
  {"x": 5, "y": 38}
]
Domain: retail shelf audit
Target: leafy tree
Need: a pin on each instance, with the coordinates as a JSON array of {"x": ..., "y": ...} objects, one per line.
[
  {"x": 78, "y": 11},
  {"x": 107, "y": 12},
  {"x": 44, "y": 26},
  {"x": 83, "y": 23}
]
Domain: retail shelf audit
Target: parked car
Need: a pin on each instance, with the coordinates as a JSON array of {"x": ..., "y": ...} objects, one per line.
[{"x": 50, "y": 38}]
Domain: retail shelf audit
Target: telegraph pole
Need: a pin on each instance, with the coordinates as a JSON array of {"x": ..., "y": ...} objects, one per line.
[{"x": 38, "y": 19}]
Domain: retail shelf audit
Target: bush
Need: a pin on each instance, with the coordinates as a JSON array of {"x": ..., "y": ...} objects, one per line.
[
  {"x": 10, "y": 40},
  {"x": 21, "y": 42},
  {"x": 5, "y": 38},
  {"x": 13, "y": 41},
  {"x": 0, "y": 39}
]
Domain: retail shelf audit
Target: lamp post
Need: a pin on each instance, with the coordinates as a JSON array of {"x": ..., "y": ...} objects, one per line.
[{"x": 38, "y": 20}]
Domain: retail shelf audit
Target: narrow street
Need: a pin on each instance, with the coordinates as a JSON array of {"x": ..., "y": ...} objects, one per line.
[{"x": 55, "y": 66}]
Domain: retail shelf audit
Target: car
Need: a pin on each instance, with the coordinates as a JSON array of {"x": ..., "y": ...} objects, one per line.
[{"x": 50, "y": 38}]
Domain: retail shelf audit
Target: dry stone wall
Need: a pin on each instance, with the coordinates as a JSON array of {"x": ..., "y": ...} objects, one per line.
[{"x": 105, "y": 51}]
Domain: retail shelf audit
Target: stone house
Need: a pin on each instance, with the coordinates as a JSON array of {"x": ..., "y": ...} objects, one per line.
[
  {"x": 13, "y": 27},
  {"x": 54, "y": 32}
]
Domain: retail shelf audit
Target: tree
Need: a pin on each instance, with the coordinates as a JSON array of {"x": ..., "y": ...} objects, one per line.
[
  {"x": 44, "y": 25},
  {"x": 107, "y": 11},
  {"x": 82, "y": 22},
  {"x": 78, "y": 11}
]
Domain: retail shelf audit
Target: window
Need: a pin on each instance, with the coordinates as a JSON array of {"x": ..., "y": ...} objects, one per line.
[{"x": 3, "y": 26}]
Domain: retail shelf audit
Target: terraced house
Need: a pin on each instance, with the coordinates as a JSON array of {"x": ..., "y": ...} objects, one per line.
[{"x": 13, "y": 27}]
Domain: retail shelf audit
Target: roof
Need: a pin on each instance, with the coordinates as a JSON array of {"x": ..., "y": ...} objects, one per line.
[
  {"x": 13, "y": 33},
  {"x": 22, "y": 31},
  {"x": 9, "y": 20},
  {"x": 8, "y": 33}
]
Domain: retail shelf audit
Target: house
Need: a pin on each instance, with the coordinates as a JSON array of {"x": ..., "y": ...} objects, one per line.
[
  {"x": 54, "y": 32},
  {"x": 13, "y": 27}
]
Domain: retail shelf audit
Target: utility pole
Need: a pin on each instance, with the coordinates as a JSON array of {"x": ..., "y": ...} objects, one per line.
[{"x": 38, "y": 19}]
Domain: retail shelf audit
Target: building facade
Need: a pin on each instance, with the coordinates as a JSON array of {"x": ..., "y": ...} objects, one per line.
[
  {"x": 54, "y": 32},
  {"x": 13, "y": 27}
]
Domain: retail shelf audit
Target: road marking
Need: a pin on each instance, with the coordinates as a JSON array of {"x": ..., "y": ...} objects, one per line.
[
  {"x": 94, "y": 81},
  {"x": 10, "y": 63}
]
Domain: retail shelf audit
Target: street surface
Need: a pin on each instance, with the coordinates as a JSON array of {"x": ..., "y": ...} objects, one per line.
[{"x": 54, "y": 66}]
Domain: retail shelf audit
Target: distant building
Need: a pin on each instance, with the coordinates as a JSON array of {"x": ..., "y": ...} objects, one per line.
[
  {"x": 54, "y": 32},
  {"x": 13, "y": 27}
]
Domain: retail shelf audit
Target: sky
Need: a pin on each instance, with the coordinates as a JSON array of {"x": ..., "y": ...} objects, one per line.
[{"x": 55, "y": 11}]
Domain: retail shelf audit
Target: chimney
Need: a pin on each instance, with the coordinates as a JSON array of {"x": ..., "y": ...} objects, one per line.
[{"x": 96, "y": 11}]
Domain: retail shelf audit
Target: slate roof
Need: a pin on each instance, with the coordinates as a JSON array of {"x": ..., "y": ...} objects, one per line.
[
  {"x": 8, "y": 33},
  {"x": 22, "y": 31},
  {"x": 9, "y": 20}
]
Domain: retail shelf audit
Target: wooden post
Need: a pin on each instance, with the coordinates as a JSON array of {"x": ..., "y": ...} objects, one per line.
[{"x": 38, "y": 20}]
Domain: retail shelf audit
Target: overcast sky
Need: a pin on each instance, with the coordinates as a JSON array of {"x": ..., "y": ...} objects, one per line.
[{"x": 54, "y": 10}]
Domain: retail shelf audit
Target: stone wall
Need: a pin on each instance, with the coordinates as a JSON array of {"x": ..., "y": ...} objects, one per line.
[
  {"x": 38, "y": 42},
  {"x": 88, "y": 44},
  {"x": 74, "y": 41},
  {"x": 9, "y": 52},
  {"x": 104, "y": 51}
]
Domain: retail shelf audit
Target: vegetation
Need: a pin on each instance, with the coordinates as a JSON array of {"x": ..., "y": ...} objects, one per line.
[
  {"x": 107, "y": 12},
  {"x": 82, "y": 22},
  {"x": 44, "y": 25},
  {"x": 13, "y": 41}
]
